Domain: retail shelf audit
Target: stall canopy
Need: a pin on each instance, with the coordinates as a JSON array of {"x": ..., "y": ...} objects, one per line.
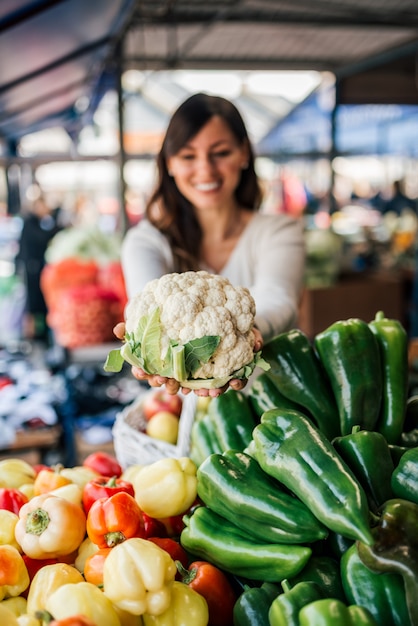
[
  {"x": 54, "y": 59},
  {"x": 58, "y": 57},
  {"x": 319, "y": 126}
]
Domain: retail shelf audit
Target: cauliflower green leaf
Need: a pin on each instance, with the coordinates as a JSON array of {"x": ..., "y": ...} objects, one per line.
[{"x": 142, "y": 348}]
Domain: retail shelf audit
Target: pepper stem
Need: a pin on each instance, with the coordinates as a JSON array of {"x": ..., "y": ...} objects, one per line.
[
  {"x": 37, "y": 521},
  {"x": 187, "y": 576},
  {"x": 112, "y": 539}
]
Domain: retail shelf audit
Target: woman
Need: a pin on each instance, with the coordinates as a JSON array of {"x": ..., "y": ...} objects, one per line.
[{"x": 204, "y": 214}]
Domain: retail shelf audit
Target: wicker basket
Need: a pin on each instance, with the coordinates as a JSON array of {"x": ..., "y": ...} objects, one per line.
[{"x": 133, "y": 447}]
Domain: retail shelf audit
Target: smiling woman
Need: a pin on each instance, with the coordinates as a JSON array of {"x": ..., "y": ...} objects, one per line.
[{"x": 204, "y": 215}]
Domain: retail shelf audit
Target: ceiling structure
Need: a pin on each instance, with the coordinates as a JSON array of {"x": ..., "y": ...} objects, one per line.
[{"x": 58, "y": 57}]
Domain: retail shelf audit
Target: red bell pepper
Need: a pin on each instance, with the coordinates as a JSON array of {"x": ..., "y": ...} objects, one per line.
[
  {"x": 153, "y": 527},
  {"x": 104, "y": 487},
  {"x": 211, "y": 583},
  {"x": 174, "y": 549},
  {"x": 111, "y": 521},
  {"x": 12, "y": 499},
  {"x": 103, "y": 463}
]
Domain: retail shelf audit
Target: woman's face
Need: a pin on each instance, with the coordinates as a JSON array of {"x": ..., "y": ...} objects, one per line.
[{"x": 208, "y": 168}]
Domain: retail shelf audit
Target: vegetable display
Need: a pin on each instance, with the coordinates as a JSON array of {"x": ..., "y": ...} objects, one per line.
[
  {"x": 194, "y": 327},
  {"x": 280, "y": 519}
]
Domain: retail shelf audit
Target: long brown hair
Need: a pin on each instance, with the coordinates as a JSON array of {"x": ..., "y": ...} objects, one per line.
[{"x": 167, "y": 208}]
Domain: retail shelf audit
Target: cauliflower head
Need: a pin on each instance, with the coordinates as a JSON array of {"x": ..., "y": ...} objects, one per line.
[{"x": 195, "y": 327}]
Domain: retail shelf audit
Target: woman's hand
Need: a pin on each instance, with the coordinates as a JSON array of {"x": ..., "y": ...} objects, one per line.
[{"x": 173, "y": 386}]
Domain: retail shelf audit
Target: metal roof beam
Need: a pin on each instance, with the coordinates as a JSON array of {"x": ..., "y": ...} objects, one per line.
[{"x": 15, "y": 18}]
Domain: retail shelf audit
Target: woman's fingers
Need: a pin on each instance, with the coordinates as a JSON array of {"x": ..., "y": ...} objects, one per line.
[
  {"x": 119, "y": 330},
  {"x": 258, "y": 342}
]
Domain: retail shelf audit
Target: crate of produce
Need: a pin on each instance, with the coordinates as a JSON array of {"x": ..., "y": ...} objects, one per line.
[{"x": 134, "y": 447}]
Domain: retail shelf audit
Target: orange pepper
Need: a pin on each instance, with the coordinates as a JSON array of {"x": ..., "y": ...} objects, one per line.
[
  {"x": 93, "y": 567},
  {"x": 47, "y": 480},
  {"x": 115, "y": 519},
  {"x": 50, "y": 527},
  {"x": 14, "y": 577}
]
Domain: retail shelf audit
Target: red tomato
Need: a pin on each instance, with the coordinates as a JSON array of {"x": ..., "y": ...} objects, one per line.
[
  {"x": 103, "y": 463},
  {"x": 12, "y": 499},
  {"x": 161, "y": 400},
  {"x": 104, "y": 487}
]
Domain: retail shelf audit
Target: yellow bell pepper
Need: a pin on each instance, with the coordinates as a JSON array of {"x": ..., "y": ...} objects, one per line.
[
  {"x": 79, "y": 475},
  {"x": 50, "y": 526},
  {"x": 7, "y": 617},
  {"x": 17, "y": 605},
  {"x": 28, "y": 620},
  {"x": 28, "y": 489},
  {"x": 16, "y": 472},
  {"x": 130, "y": 472},
  {"x": 46, "y": 581},
  {"x": 71, "y": 492},
  {"x": 128, "y": 619},
  {"x": 138, "y": 576},
  {"x": 167, "y": 487},
  {"x": 8, "y": 521},
  {"x": 187, "y": 608},
  {"x": 86, "y": 549},
  {"x": 14, "y": 577},
  {"x": 85, "y": 599}
]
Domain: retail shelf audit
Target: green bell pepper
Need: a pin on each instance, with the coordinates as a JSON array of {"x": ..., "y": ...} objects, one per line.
[
  {"x": 215, "y": 539},
  {"x": 232, "y": 420},
  {"x": 284, "y": 610},
  {"x": 325, "y": 572},
  {"x": 411, "y": 413},
  {"x": 368, "y": 456},
  {"x": 395, "y": 548},
  {"x": 350, "y": 354},
  {"x": 409, "y": 439},
  {"x": 337, "y": 544},
  {"x": 393, "y": 344},
  {"x": 253, "y": 605},
  {"x": 291, "y": 449},
  {"x": 234, "y": 486},
  {"x": 330, "y": 612},
  {"x": 264, "y": 394},
  {"x": 396, "y": 452},
  {"x": 382, "y": 594},
  {"x": 404, "y": 478},
  {"x": 203, "y": 440},
  {"x": 299, "y": 375}
]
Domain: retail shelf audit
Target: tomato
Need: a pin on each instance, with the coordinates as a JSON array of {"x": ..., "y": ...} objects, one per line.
[
  {"x": 103, "y": 463},
  {"x": 160, "y": 400}
]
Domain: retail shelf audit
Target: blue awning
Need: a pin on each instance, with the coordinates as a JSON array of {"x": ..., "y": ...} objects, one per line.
[{"x": 371, "y": 129}]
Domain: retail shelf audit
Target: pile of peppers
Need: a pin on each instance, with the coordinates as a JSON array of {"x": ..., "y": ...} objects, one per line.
[
  {"x": 316, "y": 513},
  {"x": 298, "y": 506}
]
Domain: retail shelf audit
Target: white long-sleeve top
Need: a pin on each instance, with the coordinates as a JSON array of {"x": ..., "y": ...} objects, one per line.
[{"x": 269, "y": 260}]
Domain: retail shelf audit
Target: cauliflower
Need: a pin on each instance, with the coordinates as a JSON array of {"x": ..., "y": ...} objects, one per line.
[{"x": 194, "y": 327}]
